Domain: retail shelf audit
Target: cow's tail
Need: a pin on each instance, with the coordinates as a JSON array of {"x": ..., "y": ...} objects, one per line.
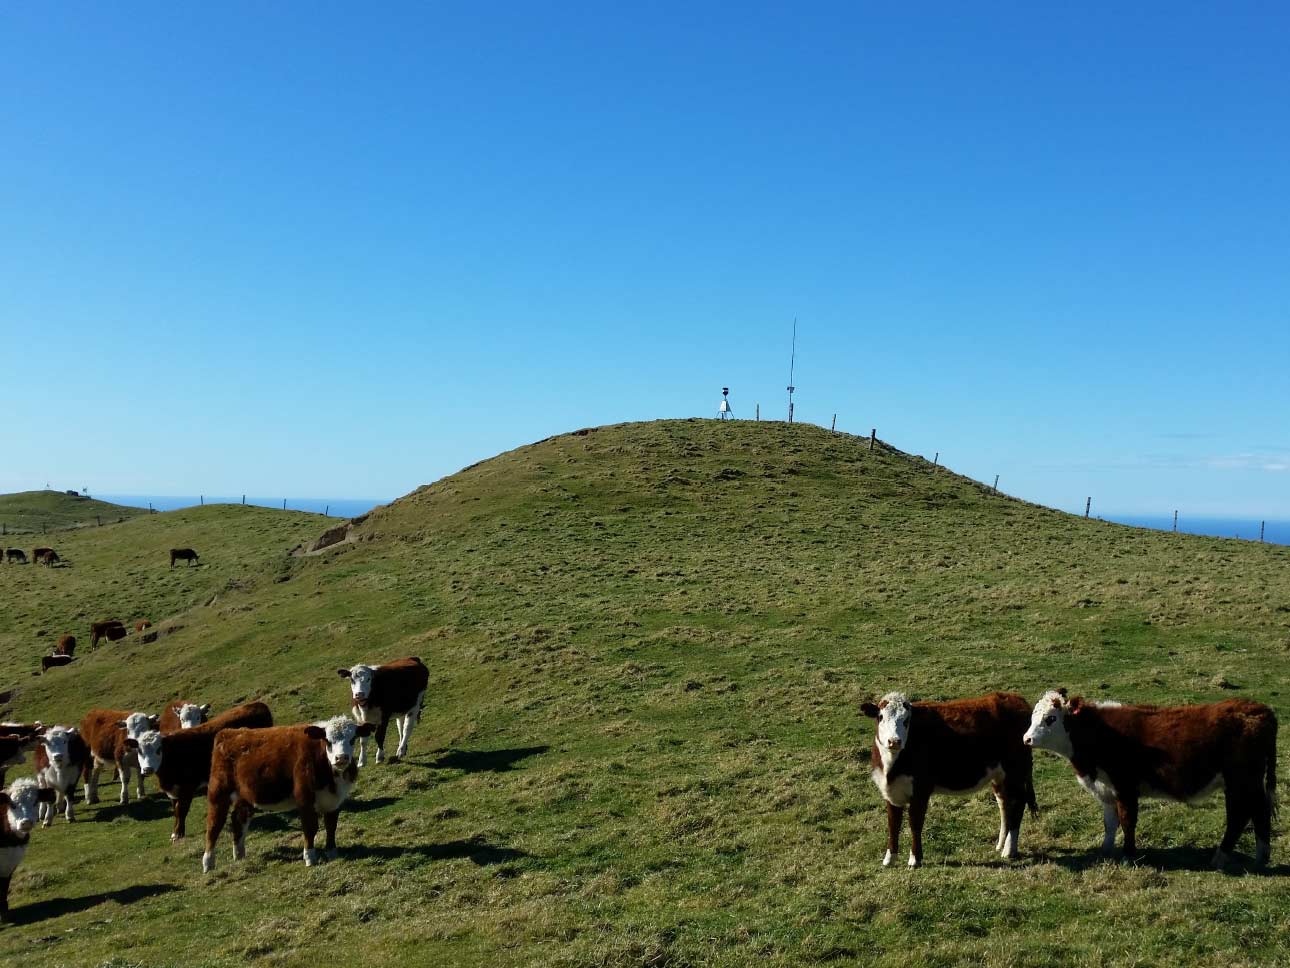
[
  {"x": 1030, "y": 797},
  {"x": 1270, "y": 777}
]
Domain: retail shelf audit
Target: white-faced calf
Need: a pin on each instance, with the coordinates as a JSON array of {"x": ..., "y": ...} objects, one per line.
[
  {"x": 1123, "y": 753},
  {"x": 61, "y": 756},
  {"x": 105, "y": 732},
  {"x": 305, "y": 768},
  {"x": 19, "y": 805},
  {"x": 395, "y": 691},
  {"x": 182, "y": 714},
  {"x": 958, "y": 747},
  {"x": 181, "y": 760}
]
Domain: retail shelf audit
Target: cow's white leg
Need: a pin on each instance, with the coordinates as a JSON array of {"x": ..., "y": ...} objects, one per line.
[
  {"x": 45, "y": 813},
  {"x": 139, "y": 785},
  {"x": 886, "y": 859},
  {"x": 409, "y": 720},
  {"x": 1003, "y": 825},
  {"x": 360, "y": 716},
  {"x": 913, "y": 861},
  {"x": 208, "y": 861},
  {"x": 67, "y": 807},
  {"x": 311, "y": 857},
  {"x": 92, "y": 782},
  {"x": 124, "y": 772},
  {"x": 1111, "y": 823},
  {"x": 1010, "y": 844}
]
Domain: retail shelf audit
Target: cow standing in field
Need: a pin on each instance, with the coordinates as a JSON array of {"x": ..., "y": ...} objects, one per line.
[
  {"x": 181, "y": 759},
  {"x": 105, "y": 732},
  {"x": 396, "y": 690},
  {"x": 959, "y": 746},
  {"x": 182, "y": 714},
  {"x": 1123, "y": 753},
  {"x": 309, "y": 768},
  {"x": 182, "y": 554},
  {"x": 19, "y": 805},
  {"x": 16, "y": 554},
  {"x": 62, "y": 654},
  {"x": 60, "y": 759},
  {"x": 142, "y": 624},
  {"x": 47, "y": 557},
  {"x": 16, "y": 741},
  {"x": 112, "y": 629}
]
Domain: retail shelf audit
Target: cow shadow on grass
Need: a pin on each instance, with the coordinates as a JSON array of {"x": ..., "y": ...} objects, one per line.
[
  {"x": 371, "y": 803},
  {"x": 58, "y": 906},
  {"x": 476, "y": 850},
  {"x": 1160, "y": 859},
  {"x": 482, "y": 761},
  {"x": 148, "y": 809}
]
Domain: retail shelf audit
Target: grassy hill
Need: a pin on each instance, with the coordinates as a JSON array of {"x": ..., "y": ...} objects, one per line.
[
  {"x": 33, "y": 512},
  {"x": 641, "y": 743}
]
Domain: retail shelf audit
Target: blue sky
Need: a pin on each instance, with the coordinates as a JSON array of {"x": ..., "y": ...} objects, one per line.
[{"x": 313, "y": 249}]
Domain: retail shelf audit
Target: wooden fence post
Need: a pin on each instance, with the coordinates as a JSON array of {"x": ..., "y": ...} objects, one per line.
[
  {"x": 935, "y": 461},
  {"x": 284, "y": 504},
  {"x": 1087, "y": 504},
  {"x": 243, "y": 499},
  {"x": 995, "y": 486},
  {"x": 327, "y": 512},
  {"x": 873, "y": 435},
  {"x": 834, "y": 428},
  {"x": 759, "y": 411},
  {"x": 1261, "y": 524},
  {"x": 202, "y": 499}
]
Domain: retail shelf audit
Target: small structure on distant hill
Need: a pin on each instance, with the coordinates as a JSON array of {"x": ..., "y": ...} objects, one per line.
[{"x": 725, "y": 413}]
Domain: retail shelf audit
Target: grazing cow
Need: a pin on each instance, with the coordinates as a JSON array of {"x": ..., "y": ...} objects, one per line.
[
  {"x": 16, "y": 554},
  {"x": 48, "y": 662},
  {"x": 182, "y": 714},
  {"x": 60, "y": 759},
  {"x": 182, "y": 554},
  {"x": 105, "y": 732},
  {"x": 1123, "y": 753},
  {"x": 395, "y": 690},
  {"x": 950, "y": 747},
  {"x": 48, "y": 557},
  {"x": 310, "y": 768},
  {"x": 18, "y": 807},
  {"x": 181, "y": 759},
  {"x": 112, "y": 629},
  {"x": 66, "y": 645},
  {"x": 142, "y": 624}
]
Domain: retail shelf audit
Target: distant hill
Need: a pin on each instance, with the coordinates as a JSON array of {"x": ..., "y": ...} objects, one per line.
[{"x": 30, "y": 512}]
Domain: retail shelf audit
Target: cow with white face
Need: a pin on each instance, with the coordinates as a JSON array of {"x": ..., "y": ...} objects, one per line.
[
  {"x": 60, "y": 758},
  {"x": 19, "y": 809},
  {"x": 310, "y": 768},
  {"x": 105, "y": 732},
  {"x": 1122, "y": 753},
  {"x": 395, "y": 691},
  {"x": 182, "y": 714},
  {"x": 959, "y": 746}
]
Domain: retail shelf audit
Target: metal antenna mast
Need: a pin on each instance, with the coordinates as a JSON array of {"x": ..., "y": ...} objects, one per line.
[{"x": 792, "y": 364}]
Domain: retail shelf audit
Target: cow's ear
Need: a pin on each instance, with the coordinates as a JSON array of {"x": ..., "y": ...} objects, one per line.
[
  {"x": 1061, "y": 692},
  {"x": 205, "y": 708},
  {"x": 364, "y": 729},
  {"x": 73, "y": 731},
  {"x": 869, "y": 709},
  {"x": 908, "y": 704},
  {"x": 131, "y": 742},
  {"x": 315, "y": 732},
  {"x": 119, "y": 724},
  {"x": 343, "y": 673},
  {"x": 154, "y": 722},
  {"x": 1076, "y": 705},
  {"x": 47, "y": 795},
  {"x": 882, "y": 704}
]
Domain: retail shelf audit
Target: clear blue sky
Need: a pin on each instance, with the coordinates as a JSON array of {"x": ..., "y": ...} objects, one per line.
[{"x": 334, "y": 249}]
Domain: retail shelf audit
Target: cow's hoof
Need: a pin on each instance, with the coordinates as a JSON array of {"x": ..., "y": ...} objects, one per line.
[
  {"x": 311, "y": 858},
  {"x": 208, "y": 862},
  {"x": 176, "y": 838},
  {"x": 914, "y": 861},
  {"x": 1262, "y": 853},
  {"x": 886, "y": 859}
]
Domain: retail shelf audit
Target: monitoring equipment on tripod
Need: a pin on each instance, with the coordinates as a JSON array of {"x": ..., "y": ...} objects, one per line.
[{"x": 725, "y": 413}]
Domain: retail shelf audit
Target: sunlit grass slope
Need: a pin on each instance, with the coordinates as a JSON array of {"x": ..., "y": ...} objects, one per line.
[
  {"x": 33, "y": 512},
  {"x": 641, "y": 744}
]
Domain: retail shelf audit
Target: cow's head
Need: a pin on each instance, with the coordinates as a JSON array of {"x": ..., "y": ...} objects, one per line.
[
  {"x": 136, "y": 724},
  {"x": 191, "y": 715},
  {"x": 360, "y": 682},
  {"x": 57, "y": 741},
  {"x": 339, "y": 733},
  {"x": 148, "y": 747},
  {"x": 1048, "y": 723},
  {"x": 22, "y": 801},
  {"x": 893, "y": 712}
]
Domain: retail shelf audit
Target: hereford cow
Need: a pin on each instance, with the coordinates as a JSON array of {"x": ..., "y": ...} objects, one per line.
[
  {"x": 105, "y": 732},
  {"x": 16, "y": 741},
  {"x": 182, "y": 554},
  {"x": 48, "y": 662},
  {"x": 181, "y": 759},
  {"x": 1123, "y": 753},
  {"x": 47, "y": 556},
  {"x": 142, "y": 624},
  {"x": 395, "y": 690},
  {"x": 950, "y": 747},
  {"x": 310, "y": 768},
  {"x": 18, "y": 807},
  {"x": 66, "y": 645},
  {"x": 112, "y": 629},
  {"x": 60, "y": 759},
  {"x": 182, "y": 714},
  {"x": 16, "y": 554}
]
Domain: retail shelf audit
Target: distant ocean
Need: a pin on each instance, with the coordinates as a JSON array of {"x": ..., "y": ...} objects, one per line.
[
  {"x": 337, "y": 507},
  {"x": 1274, "y": 532}
]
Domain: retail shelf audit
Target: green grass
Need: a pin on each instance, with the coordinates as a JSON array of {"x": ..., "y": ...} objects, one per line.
[
  {"x": 37, "y": 512},
  {"x": 641, "y": 743}
]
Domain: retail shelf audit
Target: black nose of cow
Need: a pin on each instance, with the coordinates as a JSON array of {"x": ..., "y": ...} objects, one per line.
[{"x": 1028, "y": 741}]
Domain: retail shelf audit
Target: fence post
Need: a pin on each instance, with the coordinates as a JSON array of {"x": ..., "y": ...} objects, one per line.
[
  {"x": 1261, "y": 524},
  {"x": 873, "y": 435},
  {"x": 935, "y": 461},
  {"x": 995, "y": 486},
  {"x": 202, "y": 499},
  {"x": 284, "y": 504},
  {"x": 759, "y": 411},
  {"x": 834, "y": 428},
  {"x": 327, "y": 512},
  {"x": 1087, "y": 504},
  {"x": 1175, "y": 520},
  {"x": 99, "y": 519},
  {"x": 243, "y": 499}
]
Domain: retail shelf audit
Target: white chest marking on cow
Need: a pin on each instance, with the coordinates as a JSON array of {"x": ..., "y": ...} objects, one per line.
[
  {"x": 10, "y": 858},
  {"x": 897, "y": 791},
  {"x": 329, "y": 802},
  {"x": 1099, "y": 787}
]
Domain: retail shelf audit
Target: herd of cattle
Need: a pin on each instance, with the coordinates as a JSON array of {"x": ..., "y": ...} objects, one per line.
[
  {"x": 242, "y": 761},
  {"x": 49, "y": 557},
  {"x": 1120, "y": 754}
]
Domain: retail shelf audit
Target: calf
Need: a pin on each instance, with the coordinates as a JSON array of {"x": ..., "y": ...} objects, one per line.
[
  {"x": 60, "y": 759},
  {"x": 16, "y": 554},
  {"x": 310, "y": 768},
  {"x": 181, "y": 760},
  {"x": 18, "y": 807},
  {"x": 66, "y": 645},
  {"x": 142, "y": 624},
  {"x": 958, "y": 747},
  {"x": 397, "y": 690},
  {"x": 105, "y": 732},
  {"x": 48, "y": 662},
  {"x": 48, "y": 557},
  {"x": 1123, "y": 753},
  {"x": 112, "y": 629},
  {"x": 16, "y": 740},
  {"x": 38, "y": 555},
  {"x": 182, "y": 554},
  {"x": 182, "y": 714}
]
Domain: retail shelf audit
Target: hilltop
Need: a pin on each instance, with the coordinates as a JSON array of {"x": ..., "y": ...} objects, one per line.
[
  {"x": 641, "y": 745},
  {"x": 30, "y": 512}
]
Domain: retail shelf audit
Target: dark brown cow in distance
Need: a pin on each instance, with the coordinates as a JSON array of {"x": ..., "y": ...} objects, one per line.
[
  {"x": 54, "y": 661},
  {"x": 112, "y": 629},
  {"x": 182, "y": 714},
  {"x": 16, "y": 741},
  {"x": 1123, "y": 753},
  {"x": 105, "y": 732},
  {"x": 958, "y": 747},
  {"x": 47, "y": 557},
  {"x": 19, "y": 805},
  {"x": 16, "y": 554},
  {"x": 142, "y": 624},
  {"x": 395, "y": 691},
  {"x": 182, "y": 554},
  {"x": 308, "y": 768},
  {"x": 181, "y": 760},
  {"x": 66, "y": 645}
]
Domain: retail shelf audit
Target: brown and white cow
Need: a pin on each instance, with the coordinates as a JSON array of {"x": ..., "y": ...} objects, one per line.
[
  {"x": 19, "y": 804},
  {"x": 112, "y": 629},
  {"x": 66, "y": 645},
  {"x": 60, "y": 759},
  {"x": 395, "y": 691},
  {"x": 182, "y": 714},
  {"x": 181, "y": 759},
  {"x": 1123, "y": 753},
  {"x": 957, "y": 747},
  {"x": 16, "y": 741},
  {"x": 308, "y": 768},
  {"x": 105, "y": 732}
]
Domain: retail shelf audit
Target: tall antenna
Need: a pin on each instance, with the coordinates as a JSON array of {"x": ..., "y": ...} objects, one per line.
[{"x": 792, "y": 364}]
